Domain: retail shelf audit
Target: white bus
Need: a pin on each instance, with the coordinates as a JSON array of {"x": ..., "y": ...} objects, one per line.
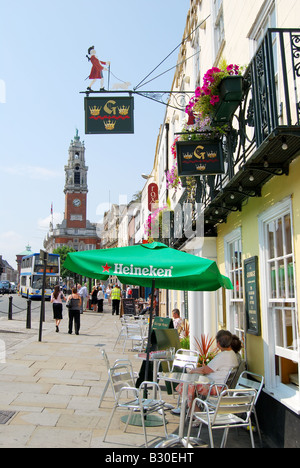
[{"x": 31, "y": 276}]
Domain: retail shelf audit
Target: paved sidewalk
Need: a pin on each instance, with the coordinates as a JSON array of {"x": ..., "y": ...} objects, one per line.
[{"x": 54, "y": 388}]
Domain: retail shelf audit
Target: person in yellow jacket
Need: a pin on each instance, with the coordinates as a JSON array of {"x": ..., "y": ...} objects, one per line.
[{"x": 116, "y": 298}]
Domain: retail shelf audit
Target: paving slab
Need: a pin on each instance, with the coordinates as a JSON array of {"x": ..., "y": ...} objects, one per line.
[{"x": 54, "y": 387}]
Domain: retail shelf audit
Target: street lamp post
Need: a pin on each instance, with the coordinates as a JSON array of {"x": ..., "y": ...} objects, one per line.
[{"x": 44, "y": 257}]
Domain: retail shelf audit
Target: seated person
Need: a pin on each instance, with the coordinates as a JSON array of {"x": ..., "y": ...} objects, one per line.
[
  {"x": 218, "y": 367},
  {"x": 147, "y": 309},
  {"x": 177, "y": 321}
]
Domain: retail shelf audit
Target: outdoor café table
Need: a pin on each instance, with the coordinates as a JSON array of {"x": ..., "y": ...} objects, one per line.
[
  {"x": 156, "y": 363},
  {"x": 185, "y": 380}
]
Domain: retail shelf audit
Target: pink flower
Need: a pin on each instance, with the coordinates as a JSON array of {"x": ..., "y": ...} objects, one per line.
[
  {"x": 214, "y": 100},
  {"x": 233, "y": 69},
  {"x": 198, "y": 92},
  {"x": 206, "y": 90}
]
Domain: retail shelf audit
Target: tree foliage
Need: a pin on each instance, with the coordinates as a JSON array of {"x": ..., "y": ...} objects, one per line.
[{"x": 63, "y": 252}]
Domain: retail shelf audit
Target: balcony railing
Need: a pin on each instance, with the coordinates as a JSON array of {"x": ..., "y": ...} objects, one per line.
[{"x": 264, "y": 136}]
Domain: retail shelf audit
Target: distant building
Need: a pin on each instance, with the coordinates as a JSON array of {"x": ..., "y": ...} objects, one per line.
[
  {"x": 19, "y": 257},
  {"x": 7, "y": 272},
  {"x": 75, "y": 231}
]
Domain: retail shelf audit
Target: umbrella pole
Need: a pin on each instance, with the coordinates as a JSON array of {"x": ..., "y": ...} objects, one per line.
[{"x": 149, "y": 336}]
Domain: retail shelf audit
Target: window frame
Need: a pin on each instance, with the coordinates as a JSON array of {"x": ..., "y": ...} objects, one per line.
[
  {"x": 285, "y": 393},
  {"x": 235, "y": 298}
]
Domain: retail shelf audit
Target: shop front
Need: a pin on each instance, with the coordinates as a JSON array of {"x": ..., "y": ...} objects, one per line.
[{"x": 259, "y": 249}]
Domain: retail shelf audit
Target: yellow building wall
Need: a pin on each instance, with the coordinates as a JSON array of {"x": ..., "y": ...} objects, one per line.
[{"x": 278, "y": 188}]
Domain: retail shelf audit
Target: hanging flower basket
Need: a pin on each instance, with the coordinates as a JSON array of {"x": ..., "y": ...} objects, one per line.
[
  {"x": 230, "y": 96},
  {"x": 198, "y": 149},
  {"x": 221, "y": 88}
]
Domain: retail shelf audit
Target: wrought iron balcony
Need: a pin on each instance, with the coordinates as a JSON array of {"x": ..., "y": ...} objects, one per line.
[{"x": 264, "y": 135}]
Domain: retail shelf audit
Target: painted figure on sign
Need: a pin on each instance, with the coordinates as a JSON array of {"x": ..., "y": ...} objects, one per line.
[{"x": 97, "y": 69}]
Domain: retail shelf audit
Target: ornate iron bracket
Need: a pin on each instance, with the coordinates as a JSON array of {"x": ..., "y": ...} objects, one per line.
[{"x": 175, "y": 99}]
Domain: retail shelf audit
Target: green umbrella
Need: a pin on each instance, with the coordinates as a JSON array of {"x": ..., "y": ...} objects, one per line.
[
  {"x": 150, "y": 265},
  {"x": 142, "y": 264}
]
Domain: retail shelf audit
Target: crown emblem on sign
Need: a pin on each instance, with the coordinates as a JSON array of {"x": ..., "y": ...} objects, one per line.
[
  {"x": 188, "y": 156},
  {"x": 109, "y": 124},
  {"x": 123, "y": 110},
  {"x": 95, "y": 111},
  {"x": 201, "y": 167},
  {"x": 212, "y": 154}
]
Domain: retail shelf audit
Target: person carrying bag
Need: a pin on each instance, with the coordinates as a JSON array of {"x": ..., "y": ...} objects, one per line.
[{"x": 74, "y": 304}]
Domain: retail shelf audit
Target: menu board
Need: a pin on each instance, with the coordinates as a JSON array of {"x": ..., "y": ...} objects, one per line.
[
  {"x": 252, "y": 302},
  {"x": 128, "y": 306}
]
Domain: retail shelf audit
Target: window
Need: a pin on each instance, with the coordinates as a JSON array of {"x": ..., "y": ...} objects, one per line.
[
  {"x": 265, "y": 20},
  {"x": 281, "y": 332},
  {"x": 197, "y": 49},
  {"x": 77, "y": 175},
  {"x": 219, "y": 32},
  {"x": 234, "y": 270}
]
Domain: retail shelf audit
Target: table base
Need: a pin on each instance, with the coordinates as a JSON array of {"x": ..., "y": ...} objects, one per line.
[
  {"x": 151, "y": 420},
  {"x": 175, "y": 440}
]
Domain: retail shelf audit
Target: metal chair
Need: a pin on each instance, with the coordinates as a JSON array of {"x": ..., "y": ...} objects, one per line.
[
  {"x": 136, "y": 332},
  {"x": 233, "y": 409},
  {"x": 118, "y": 362},
  {"x": 250, "y": 380},
  {"x": 121, "y": 331},
  {"x": 124, "y": 382},
  {"x": 230, "y": 377},
  {"x": 184, "y": 359}
]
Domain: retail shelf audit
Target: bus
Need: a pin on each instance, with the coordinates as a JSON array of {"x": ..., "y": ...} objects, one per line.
[{"x": 31, "y": 276}]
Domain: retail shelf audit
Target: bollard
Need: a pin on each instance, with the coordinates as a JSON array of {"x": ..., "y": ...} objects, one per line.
[
  {"x": 10, "y": 305},
  {"x": 28, "y": 317}
]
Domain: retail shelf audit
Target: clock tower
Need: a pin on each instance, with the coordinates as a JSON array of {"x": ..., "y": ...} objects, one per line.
[
  {"x": 75, "y": 231},
  {"x": 76, "y": 185}
]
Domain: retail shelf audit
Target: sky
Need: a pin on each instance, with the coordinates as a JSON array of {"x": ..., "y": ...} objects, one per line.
[{"x": 43, "y": 67}]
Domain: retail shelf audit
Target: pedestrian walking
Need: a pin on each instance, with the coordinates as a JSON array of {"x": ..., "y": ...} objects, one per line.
[
  {"x": 94, "y": 298},
  {"x": 116, "y": 298},
  {"x": 83, "y": 293},
  {"x": 56, "y": 298},
  {"x": 100, "y": 298},
  {"x": 108, "y": 294},
  {"x": 74, "y": 305}
]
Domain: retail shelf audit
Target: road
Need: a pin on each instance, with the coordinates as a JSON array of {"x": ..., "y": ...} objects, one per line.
[
  {"x": 13, "y": 332},
  {"x": 20, "y": 308}
]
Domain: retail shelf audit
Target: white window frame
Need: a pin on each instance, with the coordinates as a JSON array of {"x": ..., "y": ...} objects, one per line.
[
  {"x": 286, "y": 394},
  {"x": 234, "y": 236}
]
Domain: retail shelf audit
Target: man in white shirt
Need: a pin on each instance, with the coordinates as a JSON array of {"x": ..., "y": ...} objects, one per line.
[
  {"x": 83, "y": 293},
  {"x": 177, "y": 321}
]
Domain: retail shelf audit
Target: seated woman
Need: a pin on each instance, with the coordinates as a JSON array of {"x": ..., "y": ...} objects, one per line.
[{"x": 218, "y": 368}]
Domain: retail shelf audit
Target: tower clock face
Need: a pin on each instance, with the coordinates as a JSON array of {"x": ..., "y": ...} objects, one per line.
[{"x": 76, "y": 202}]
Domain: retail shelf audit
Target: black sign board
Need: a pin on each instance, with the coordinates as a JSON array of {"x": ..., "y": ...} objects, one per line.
[
  {"x": 252, "y": 302},
  {"x": 128, "y": 306},
  {"x": 109, "y": 115},
  {"x": 199, "y": 157}
]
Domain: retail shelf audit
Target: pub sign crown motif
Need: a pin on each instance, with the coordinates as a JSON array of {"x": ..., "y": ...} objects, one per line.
[{"x": 109, "y": 115}]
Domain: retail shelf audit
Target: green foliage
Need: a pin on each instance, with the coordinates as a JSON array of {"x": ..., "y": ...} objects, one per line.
[{"x": 63, "y": 252}]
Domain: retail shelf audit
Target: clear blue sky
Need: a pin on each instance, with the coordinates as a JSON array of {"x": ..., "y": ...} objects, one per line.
[{"x": 43, "y": 68}]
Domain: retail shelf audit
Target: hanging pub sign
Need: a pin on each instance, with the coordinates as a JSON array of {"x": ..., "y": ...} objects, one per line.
[
  {"x": 152, "y": 196},
  {"x": 199, "y": 157},
  {"x": 110, "y": 115}
]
